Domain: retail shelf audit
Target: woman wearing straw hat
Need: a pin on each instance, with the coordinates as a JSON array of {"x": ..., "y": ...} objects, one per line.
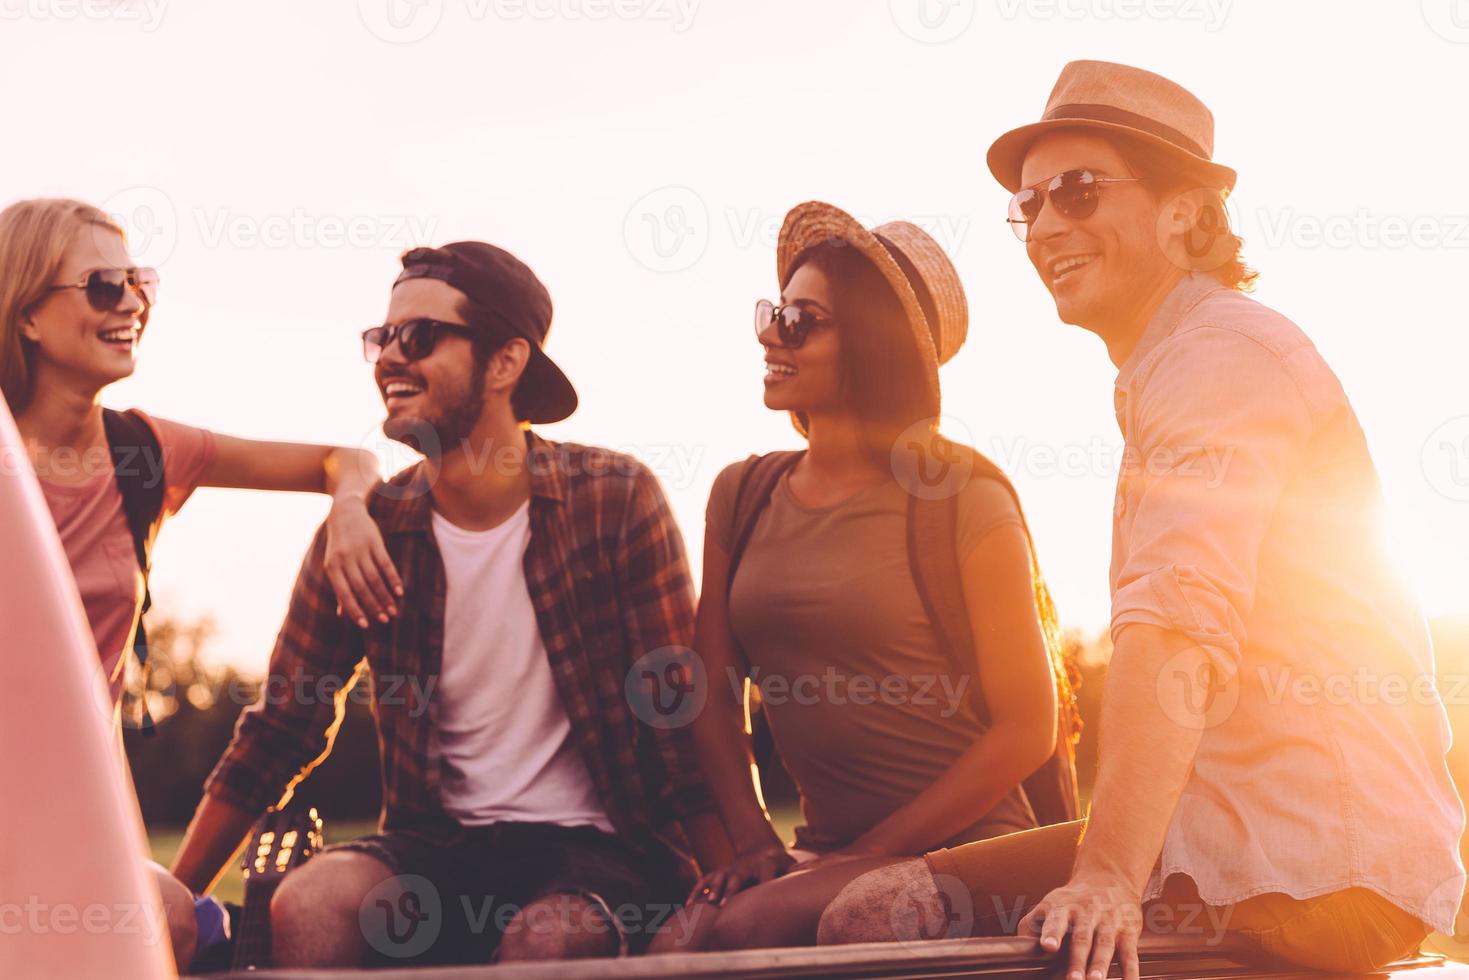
[{"x": 807, "y": 591}]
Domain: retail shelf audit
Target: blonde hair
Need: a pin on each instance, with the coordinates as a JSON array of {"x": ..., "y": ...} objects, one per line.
[{"x": 34, "y": 238}]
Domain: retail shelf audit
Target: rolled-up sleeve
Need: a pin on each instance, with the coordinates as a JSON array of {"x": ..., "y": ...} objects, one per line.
[
  {"x": 1214, "y": 427},
  {"x": 290, "y": 727}
]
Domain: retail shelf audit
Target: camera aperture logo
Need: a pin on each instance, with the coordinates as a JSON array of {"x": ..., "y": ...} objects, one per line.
[
  {"x": 668, "y": 687},
  {"x": 932, "y": 21},
  {"x": 667, "y": 230},
  {"x": 931, "y": 467},
  {"x": 402, "y": 916},
  {"x": 400, "y": 21}
]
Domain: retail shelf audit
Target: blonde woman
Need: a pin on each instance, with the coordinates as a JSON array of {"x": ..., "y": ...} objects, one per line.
[{"x": 73, "y": 308}]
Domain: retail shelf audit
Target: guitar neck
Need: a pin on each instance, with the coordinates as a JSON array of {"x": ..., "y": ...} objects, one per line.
[{"x": 253, "y": 940}]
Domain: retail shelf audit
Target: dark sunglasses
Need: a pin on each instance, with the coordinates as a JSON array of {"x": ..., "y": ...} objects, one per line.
[
  {"x": 1074, "y": 193},
  {"x": 105, "y": 287},
  {"x": 792, "y": 324},
  {"x": 416, "y": 338}
]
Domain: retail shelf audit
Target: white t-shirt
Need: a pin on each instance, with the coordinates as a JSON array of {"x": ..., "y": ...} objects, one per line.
[{"x": 501, "y": 731}]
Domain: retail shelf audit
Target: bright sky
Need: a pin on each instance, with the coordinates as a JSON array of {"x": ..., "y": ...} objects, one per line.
[{"x": 274, "y": 158}]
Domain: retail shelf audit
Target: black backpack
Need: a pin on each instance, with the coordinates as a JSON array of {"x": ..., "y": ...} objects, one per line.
[
  {"x": 933, "y": 559},
  {"x": 137, "y": 464}
]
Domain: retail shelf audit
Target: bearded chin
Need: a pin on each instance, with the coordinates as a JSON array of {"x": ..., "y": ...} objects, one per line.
[{"x": 434, "y": 435}]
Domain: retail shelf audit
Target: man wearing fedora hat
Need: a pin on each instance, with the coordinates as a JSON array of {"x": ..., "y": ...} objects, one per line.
[
  {"x": 524, "y": 796},
  {"x": 1246, "y": 783}
]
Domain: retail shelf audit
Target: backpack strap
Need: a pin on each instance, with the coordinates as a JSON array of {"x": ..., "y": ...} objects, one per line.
[
  {"x": 757, "y": 482},
  {"x": 137, "y": 465},
  {"x": 933, "y": 558}
]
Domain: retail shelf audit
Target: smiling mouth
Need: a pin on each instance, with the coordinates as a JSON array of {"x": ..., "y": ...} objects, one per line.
[
  {"x": 121, "y": 338},
  {"x": 776, "y": 373},
  {"x": 1064, "y": 269},
  {"x": 400, "y": 391}
]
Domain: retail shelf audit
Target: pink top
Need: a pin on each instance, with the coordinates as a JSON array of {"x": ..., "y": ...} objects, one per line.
[
  {"x": 94, "y": 531},
  {"x": 1247, "y": 518}
]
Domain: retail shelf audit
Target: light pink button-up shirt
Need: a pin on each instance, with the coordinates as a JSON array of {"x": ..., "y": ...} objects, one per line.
[{"x": 1247, "y": 518}]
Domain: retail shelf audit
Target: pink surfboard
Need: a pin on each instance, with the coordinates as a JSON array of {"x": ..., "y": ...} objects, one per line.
[{"x": 76, "y": 899}]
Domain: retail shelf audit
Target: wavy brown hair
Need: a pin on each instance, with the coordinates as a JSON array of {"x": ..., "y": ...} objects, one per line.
[{"x": 1169, "y": 175}]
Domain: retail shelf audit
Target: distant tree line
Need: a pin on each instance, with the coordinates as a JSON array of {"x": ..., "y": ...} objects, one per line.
[{"x": 195, "y": 704}]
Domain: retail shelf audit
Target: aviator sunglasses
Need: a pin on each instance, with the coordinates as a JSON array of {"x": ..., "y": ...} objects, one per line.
[
  {"x": 792, "y": 324},
  {"x": 1075, "y": 194},
  {"x": 105, "y": 287},
  {"x": 416, "y": 338}
]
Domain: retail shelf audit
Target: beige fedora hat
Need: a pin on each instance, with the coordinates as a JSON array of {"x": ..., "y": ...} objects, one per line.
[
  {"x": 1119, "y": 99},
  {"x": 914, "y": 265}
]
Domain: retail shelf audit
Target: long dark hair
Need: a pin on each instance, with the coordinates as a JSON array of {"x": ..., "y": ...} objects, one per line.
[{"x": 881, "y": 375}]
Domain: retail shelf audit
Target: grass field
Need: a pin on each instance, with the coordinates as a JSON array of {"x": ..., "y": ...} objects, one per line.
[{"x": 164, "y": 842}]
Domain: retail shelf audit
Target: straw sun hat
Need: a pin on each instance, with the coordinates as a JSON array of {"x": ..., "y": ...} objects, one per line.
[
  {"x": 914, "y": 265},
  {"x": 1121, "y": 100}
]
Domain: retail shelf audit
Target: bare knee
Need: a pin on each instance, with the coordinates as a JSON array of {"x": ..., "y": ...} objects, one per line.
[
  {"x": 563, "y": 926},
  {"x": 316, "y": 912},
  {"x": 178, "y": 911},
  {"x": 738, "y": 925},
  {"x": 690, "y": 929},
  {"x": 901, "y": 902}
]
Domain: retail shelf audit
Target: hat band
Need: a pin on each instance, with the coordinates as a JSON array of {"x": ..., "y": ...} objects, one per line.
[
  {"x": 1112, "y": 114},
  {"x": 918, "y": 284}
]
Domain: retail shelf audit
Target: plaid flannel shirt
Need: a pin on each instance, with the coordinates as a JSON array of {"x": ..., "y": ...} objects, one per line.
[{"x": 609, "y": 581}]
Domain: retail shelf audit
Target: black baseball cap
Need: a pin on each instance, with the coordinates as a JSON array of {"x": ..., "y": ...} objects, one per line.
[{"x": 502, "y": 289}]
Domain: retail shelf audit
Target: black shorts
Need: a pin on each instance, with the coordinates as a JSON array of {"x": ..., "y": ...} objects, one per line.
[{"x": 450, "y": 903}]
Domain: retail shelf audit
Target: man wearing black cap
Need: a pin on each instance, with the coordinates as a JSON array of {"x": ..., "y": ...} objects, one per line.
[{"x": 529, "y": 811}]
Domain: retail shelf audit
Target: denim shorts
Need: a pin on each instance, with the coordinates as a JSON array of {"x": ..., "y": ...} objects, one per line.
[{"x": 449, "y": 903}]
